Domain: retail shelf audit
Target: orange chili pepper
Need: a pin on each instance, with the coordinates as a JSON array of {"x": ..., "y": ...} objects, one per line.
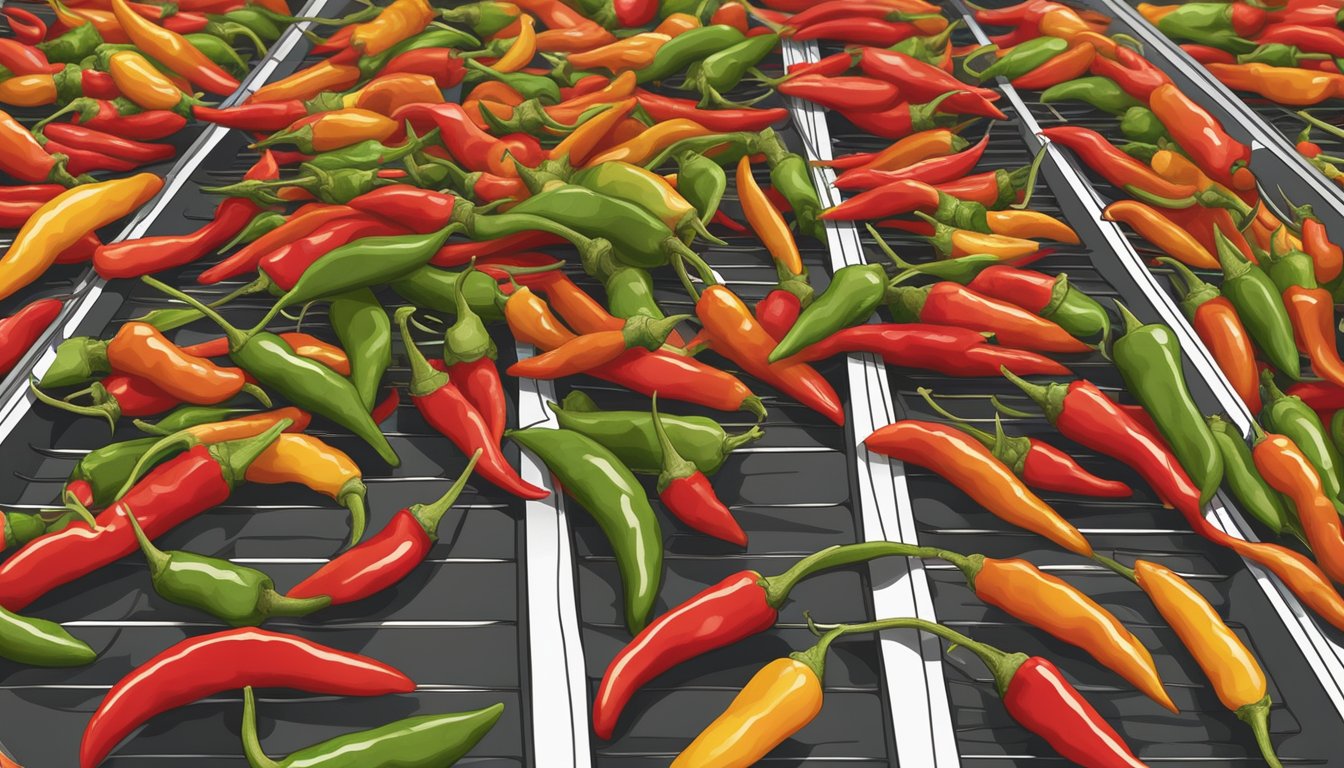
[
  {"x": 531, "y": 321},
  {"x": 141, "y": 350},
  {"x": 303, "y": 344},
  {"x": 971, "y": 467},
  {"x": 28, "y": 90},
  {"x": 1283, "y": 85},
  {"x": 583, "y": 353},
  {"x": 306, "y": 460},
  {"x": 579, "y": 145},
  {"x": 1049, "y": 603},
  {"x": 575, "y": 305},
  {"x": 1312, "y": 311},
  {"x": 552, "y": 13},
  {"x": 1325, "y": 255},
  {"x": 951, "y": 242},
  {"x": 386, "y": 93},
  {"x": 103, "y": 21},
  {"x": 1217, "y": 324},
  {"x": 628, "y": 55},
  {"x": 143, "y": 84},
  {"x": 935, "y": 142},
  {"x": 676, "y": 24},
  {"x": 622, "y": 86},
  {"x": 1069, "y": 65},
  {"x": 1154, "y": 13},
  {"x": 650, "y": 142},
  {"x": 1161, "y": 232},
  {"x": 1030, "y": 224},
  {"x": 734, "y": 333},
  {"x": 308, "y": 82},
  {"x": 584, "y": 37},
  {"x": 335, "y": 130},
  {"x": 523, "y": 49},
  {"x": 1287, "y": 471},
  {"x": 397, "y": 22},
  {"x": 769, "y": 224},
  {"x": 498, "y": 92},
  {"x": 627, "y": 130},
  {"x": 174, "y": 51}
]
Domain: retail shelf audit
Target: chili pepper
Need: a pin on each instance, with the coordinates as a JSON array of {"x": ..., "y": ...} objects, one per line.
[
  {"x": 173, "y": 50},
  {"x": 115, "y": 396},
  {"x": 583, "y": 353},
  {"x": 1260, "y": 307},
  {"x": 1289, "y": 416},
  {"x": 475, "y": 149},
  {"x": 1199, "y": 133},
  {"x": 103, "y": 472},
  {"x": 121, "y": 117},
  {"x": 674, "y": 56},
  {"x": 766, "y": 220},
  {"x": 21, "y": 330},
  {"x": 306, "y": 83},
  {"x": 911, "y": 150},
  {"x": 1216, "y": 322},
  {"x": 335, "y": 130},
  {"x": 308, "y": 461},
  {"x": 687, "y": 493},
  {"x": 1060, "y": 68},
  {"x": 446, "y": 409},
  {"x": 1113, "y": 165},
  {"x": 1327, "y": 258},
  {"x": 305, "y": 383},
  {"x": 851, "y": 297},
  {"x": 724, "y": 69},
  {"x": 73, "y": 45},
  {"x": 83, "y": 137},
  {"x": 1288, "y": 471},
  {"x": 1251, "y": 491},
  {"x": 972, "y": 468},
  {"x": 943, "y": 349},
  {"x": 842, "y": 93},
  {"x": 26, "y": 27},
  {"x": 1141, "y": 125},
  {"x": 362, "y": 326},
  {"x": 1149, "y": 359},
  {"x": 919, "y": 81},
  {"x": 1323, "y": 397},
  {"x": 427, "y": 739},
  {"x": 469, "y": 359},
  {"x": 947, "y": 303},
  {"x": 933, "y": 170},
  {"x": 24, "y": 159},
  {"x": 1284, "y": 85},
  {"x": 601, "y": 484},
  {"x": 1021, "y": 59},
  {"x": 48, "y": 233},
  {"x": 208, "y": 664},
  {"x": 1051, "y": 297},
  {"x": 648, "y": 190},
  {"x": 1311, "y": 310},
  {"x": 145, "y": 86},
  {"x": 1100, "y": 92},
  {"x": 286, "y": 265},
  {"x": 139, "y": 349}
]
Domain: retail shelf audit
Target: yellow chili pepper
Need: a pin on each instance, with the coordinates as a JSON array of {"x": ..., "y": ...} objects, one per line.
[
  {"x": 632, "y": 53},
  {"x": 174, "y": 51},
  {"x": 309, "y": 82},
  {"x": 64, "y": 220},
  {"x": 777, "y": 702},
  {"x": 387, "y": 93},
  {"x": 935, "y": 142},
  {"x": 523, "y": 49},
  {"x": 676, "y": 24},
  {"x": 28, "y": 90},
  {"x": 951, "y": 242},
  {"x": 335, "y": 130},
  {"x": 398, "y": 21},
  {"x": 140, "y": 82},
  {"x": 620, "y": 87},
  {"x": 1030, "y": 224},
  {"x": 304, "y": 459},
  {"x": 250, "y": 425},
  {"x": 1154, "y": 13},
  {"x": 580, "y": 144},
  {"x": 642, "y": 148},
  {"x": 769, "y": 223}
]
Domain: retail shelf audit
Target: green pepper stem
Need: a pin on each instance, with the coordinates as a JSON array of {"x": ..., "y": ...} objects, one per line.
[
  {"x": 1128, "y": 573},
  {"x": 815, "y": 657},
  {"x": 1188, "y": 282},
  {"x": 272, "y": 603},
  {"x": 235, "y": 456},
  {"x": 236, "y": 337},
  {"x": 352, "y": 496},
  {"x": 177, "y": 442},
  {"x": 1144, "y": 196},
  {"x": 256, "y": 757},
  {"x": 777, "y": 588},
  {"x": 675, "y": 466},
  {"x": 1232, "y": 261},
  {"x": 424, "y": 378},
  {"x": 1319, "y": 123},
  {"x": 1006, "y": 410},
  {"x": 733, "y": 442},
  {"x": 1257, "y": 717},
  {"x": 1131, "y": 322},
  {"x": 979, "y": 434},
  {"x": 973, "y": 54},
  {"x": 1029, "y": 184},
  {"x": 156, "y": 558},
  {"x": 105, "y": 407},
  {"x": 430, "y": 515},
  {"x": 1039, "y": 394}
]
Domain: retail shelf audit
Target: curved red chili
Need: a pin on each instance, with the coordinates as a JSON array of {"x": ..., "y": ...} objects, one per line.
[{"x": 20, "y": 331}]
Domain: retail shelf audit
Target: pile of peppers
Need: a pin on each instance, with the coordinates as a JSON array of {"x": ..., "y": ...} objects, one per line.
[{"x": 594, "y": 143}]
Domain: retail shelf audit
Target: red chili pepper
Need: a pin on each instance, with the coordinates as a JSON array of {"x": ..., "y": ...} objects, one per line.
[
  {"x": 777, "y": 312},
  {"x": 473, "y": 148},
  {"x": 862, "y": 94},
  {"x": 264, "y": 117},
  {"x": 933, "y": 170},
  {"x": 448, "y": 411},
  {"x": 894, "y": 199},
  {"x": 338, "y": 41},
  {"x": 1110, "y": 163},
  {"x": 949, "y": 303},
  {"x": 21, "y": 59},
  {"x": 827, "y": 66},
  {"x": 27, "y": 27},
  {"x": 286, "y": 264},
  {"x": 688, "y": 495},
  {"x": 918, "y": 81},
  {"x": 419, "y": 210},
  {"x": 1132, "y": 72},
  {"x": 733, "y": 15},
  {"x": 442, "y": 64},
  {"x": 301, "y": 223},
  {"x": 948, "y": 350},
  {"x": 388, "y": 556},
  {"x": 1328, "y": 40},
  {"x": 81, "y": 161},
  {"x": 460, "y": 254},
  {"x": 663, "y": 108},
  {"x": 1201, "y": 135},
  {"x": 20, "y": 331},
  {"x": 1207, "y": 54},
  {"x": 97, "y": 85},
  {"x": 859, "y": 31},
  {"x": 1315, "y": 14},
  {"x": 1322, "y": 396},
  {"x": 107, "y": 116},
  {"x": 202, "y": 666},
  {"x": 146, "y": 255},
  {"x": 1327, "y": 257},
  {"x": 84, "y": 137},
  {"x": 634, "y": 13}
]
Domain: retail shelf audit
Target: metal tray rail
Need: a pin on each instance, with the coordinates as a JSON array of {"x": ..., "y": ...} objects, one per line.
[
  {"x": 74, "y": 282},
  {"x": 985, "y": 734},
  {"x": 794, "y": 492},
  {"x": 466, "y": 648}
]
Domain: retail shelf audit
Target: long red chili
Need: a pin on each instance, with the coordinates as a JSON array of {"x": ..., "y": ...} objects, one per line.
[
  {"x": 225, "y": 661},
  {"x": 20, "y": 331},
  {"x": 933, "y": 170},
  {"x": 84, "y": 137},
  {"x": 948, "y": 350},
  {"x": 106, "y": 116},
  {"x": 28, "y": 28},
  {"x": 663, "y": 108},
  {"x": 301, "y": 223},
  {"x": 286, "y": 264},
  {"x": 262, "y": 117},
  {"x": 1109, "y": 162}
]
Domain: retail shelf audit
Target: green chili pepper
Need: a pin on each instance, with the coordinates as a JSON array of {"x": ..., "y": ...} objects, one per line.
[
  {"x": 1279, "y": 55},
  {"x": 364, "y": 330},
  {"x": 261, "y": 22},
  {"x": 40, "y": 643},
  {"x": 434, "y": 37},
  {"x": 791, "y": 177},
  {"x": 435, "y": 289},
  {"x": 1337, "y": 430},
  {"x": 334, "y": 187},
  {"x": 484, "y": 18},
  {"x": 235, "y": 594},
  {"x": 1252, "y": 493},
  {"x": 1140, "y": 124},
  {"x": 1076, "y": 312},
  {"x": 1101, "y": 92},
  {"x": 702, "y": 182},
  {"x": 1206, "y": 24},
  {"x": 305, "y": 383},
  {"x": 105, "y": 469},
  {"x": 1022, "y": 59},
  {"x": 483, "y": 227},
  {"x": 427, "y": 741},
  {"x": 930, "y": 49},
  {"x": 630, "y": 293},
  {"x": 687, "y": 48},
  {"x": 637, "y": 237},
  {"x": 635, "y": 185},
  {"x": 1258, "y": 303},
  {"x": 218, "y": 51},
  {"x": 1140, "y": 150},
  {"x": 700, "y": 9},
  {"x": 72, "y": 46},
  {"x": 369, "y": 154},
  {"x": 631, "y": 436},
  {"x": 723, "y": 70},
  {"x": 467, "y": 340},
  {"x": 1290, "y": 268},
  {"x": 601, "y": 484},
  {"x": 186, "y": 417},
  {"x": 1149, "y": 359},
  {"x": 17, "y": 529},
  {"x": 855, "y": 292},
  {"x": 529, "y": 86},
  {"x": 1294, "y": 419},
  {"x": 260, "y": 224}
]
